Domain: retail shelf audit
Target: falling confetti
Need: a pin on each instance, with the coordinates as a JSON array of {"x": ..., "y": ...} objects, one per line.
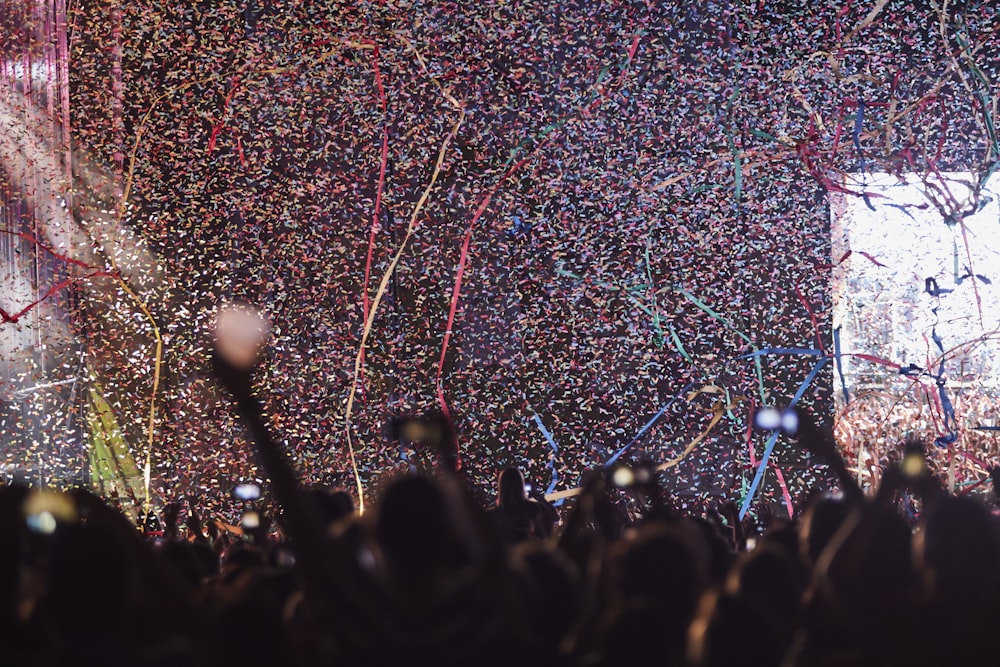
[{"x": 555, "y": 222}]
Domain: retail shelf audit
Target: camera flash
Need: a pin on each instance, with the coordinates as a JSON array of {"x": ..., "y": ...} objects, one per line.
[
  {"x": 789, "y": 422},
  {"x": 623, "y": 476},
  {"x": 768, "y": 419}
]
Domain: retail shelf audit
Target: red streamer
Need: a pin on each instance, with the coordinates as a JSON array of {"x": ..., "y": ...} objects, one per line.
[{"x": 366, "y": 302}]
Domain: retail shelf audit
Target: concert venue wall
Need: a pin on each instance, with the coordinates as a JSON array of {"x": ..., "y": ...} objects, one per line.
[{"x": 583, "y": 229}]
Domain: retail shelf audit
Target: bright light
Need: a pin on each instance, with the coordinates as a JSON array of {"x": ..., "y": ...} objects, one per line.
[{"x": 912, "y": 274}]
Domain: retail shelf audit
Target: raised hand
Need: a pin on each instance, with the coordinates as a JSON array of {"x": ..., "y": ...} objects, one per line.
[
  {"x": 170, "y": 515},
  {"x": 820, "y": 442}
]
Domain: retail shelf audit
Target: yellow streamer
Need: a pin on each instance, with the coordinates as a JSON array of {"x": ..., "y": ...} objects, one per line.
[
  {"x": 384, "y": 283},
  {"x": 718, "y": 412}
]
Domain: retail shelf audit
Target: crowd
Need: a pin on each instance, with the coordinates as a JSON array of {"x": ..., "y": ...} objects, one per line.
[
  {"x": 870, "y": 427},
  {"x": 428, "y": 577}
]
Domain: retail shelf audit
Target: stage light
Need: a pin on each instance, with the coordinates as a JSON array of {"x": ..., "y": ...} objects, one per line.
[{"x": 772, "y": 419}]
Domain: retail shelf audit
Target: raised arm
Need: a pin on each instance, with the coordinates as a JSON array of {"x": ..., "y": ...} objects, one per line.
[{"x": 820, "y": 442}]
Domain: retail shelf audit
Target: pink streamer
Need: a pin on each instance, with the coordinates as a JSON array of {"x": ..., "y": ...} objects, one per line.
[{"x": 784, "y": 492}]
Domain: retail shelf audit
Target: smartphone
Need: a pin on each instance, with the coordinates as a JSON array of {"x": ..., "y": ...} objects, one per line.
[
  {"x": 250, "y": 521},
  {"x": 43, "y": 510},
  {"x": 418, "y": 431},
  {"x": 773, "y": 419},
  {"x": 914, "y": 462},
  {"x": 644, "y": 473},
  {"x": 43, "y": 523},
  {"x": 247, "y": 492},
  {"x": 622, "y": 476}
]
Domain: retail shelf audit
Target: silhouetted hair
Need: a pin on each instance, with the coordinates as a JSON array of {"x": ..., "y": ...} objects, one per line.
[{"x": 510, "y": 487}]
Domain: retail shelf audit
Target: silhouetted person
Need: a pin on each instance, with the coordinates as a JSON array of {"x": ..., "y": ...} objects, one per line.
[{"x": 517, "y": 516}]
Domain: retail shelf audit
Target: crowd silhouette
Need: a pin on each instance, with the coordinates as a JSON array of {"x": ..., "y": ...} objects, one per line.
[{"x": 429, "y": 577}]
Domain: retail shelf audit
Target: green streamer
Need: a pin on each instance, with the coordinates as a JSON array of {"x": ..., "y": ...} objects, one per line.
[{"x": 725, "y": 323}]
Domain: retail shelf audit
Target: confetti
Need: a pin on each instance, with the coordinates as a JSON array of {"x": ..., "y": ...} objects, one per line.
[{"x": 491, "y": 208}]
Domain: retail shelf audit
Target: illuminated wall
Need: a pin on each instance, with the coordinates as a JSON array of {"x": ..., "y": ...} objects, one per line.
[{"x": 41, "y": 365}]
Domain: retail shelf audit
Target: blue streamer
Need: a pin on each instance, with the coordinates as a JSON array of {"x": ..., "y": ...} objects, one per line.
[
  {"x": 932, "y": 288},
  {"x": 840, "y": 368},
  {"x": 610, "y": 462},
  {"x": 949, "y": 409},
  {"x": 975, "y": 276},
  {"x": 555, "y": 453},
  {"x": 938, "y": 342},
  {"x": 946, "y": 407},
  {"x": 903, "y": 209},
  {"x": 752, "y": 491},
  {"x": 944, "y": 440},
  {"x": 859, "y": 124},
  {"x": 808, "y": 381}
]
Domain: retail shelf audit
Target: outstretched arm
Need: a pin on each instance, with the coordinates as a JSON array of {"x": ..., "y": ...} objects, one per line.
[
  {"x": 820, "y": 441},
  {"x": 316, "y": 559},
  {"x": 304, "y": 525}
]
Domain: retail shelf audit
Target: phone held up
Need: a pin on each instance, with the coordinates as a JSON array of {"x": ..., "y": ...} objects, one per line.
[{"x": 772, "y": 419}]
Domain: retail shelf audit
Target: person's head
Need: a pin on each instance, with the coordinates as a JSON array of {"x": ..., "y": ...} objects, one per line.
[
  {"x": 239, "y": 558},
  {"x": 720, "y": 552},
  {"x": 93, "y": 583},
  {"x": 333, "y": 504},
  {"x": 12, "y": 546},
  {"x": 820, "y": 523},
  {"x": 190, "y": 561},
  {"x": 887, "y": 571},
  {"x": 660, "y": 564},
  {"x": 734, "y": 629},
  {"x": 416, "y": 531},
  {"x": 550, "y": 589},
  {"x": 247, "y": 623},
  {"x": 510, "y": 487},
  {"x": 957, "y": 549},
  {"x": 773, "y": 576}
]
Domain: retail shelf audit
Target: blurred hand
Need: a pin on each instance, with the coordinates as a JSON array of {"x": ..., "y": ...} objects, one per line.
[
  {"x": 194, "y": 524},
  {"x": 170, "y": 515},
  {"x": 820, "y": 442},
  {"x": 813, "y": 438},
  {"x": 765, "y": 516},
  {"x": 236, "y": 380},
  {"x": 892, "y": 481},
  {"x": 213, "y": 529}
]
